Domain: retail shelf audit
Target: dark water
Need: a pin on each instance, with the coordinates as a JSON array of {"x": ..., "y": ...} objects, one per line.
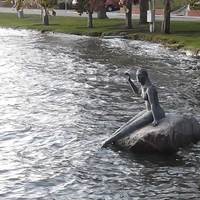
[{"x": 61, "y": 96}]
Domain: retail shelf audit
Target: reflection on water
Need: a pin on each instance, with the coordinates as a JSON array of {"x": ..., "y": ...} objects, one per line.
[{"x": 62, "y": 95}]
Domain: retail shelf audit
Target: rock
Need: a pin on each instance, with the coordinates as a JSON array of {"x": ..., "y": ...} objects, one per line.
[{"x": 173, "y": 132}]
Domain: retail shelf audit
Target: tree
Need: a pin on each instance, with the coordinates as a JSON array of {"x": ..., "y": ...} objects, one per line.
[
  {"x": 46, "y": 6},
  {"x": 109, "y": 5},
  {"x": 99, "y": 7},
  {"x": 127, "y": 5},
  {"x": 143, "y": 11},
  {"x": 19, "y": 6},
  {"x": 89, "y": 6},
  {"x": 166, "y": 22},
  {"x": 194, "y": 4},
  {"x": 101, "y": 14}
]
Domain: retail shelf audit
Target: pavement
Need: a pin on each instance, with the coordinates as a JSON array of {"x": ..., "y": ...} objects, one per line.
[{"x": 112, "y": 15}]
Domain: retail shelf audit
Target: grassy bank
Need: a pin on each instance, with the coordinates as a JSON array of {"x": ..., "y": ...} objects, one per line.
[
  {"x": 174, "y": 4},
  {"x": 73, "y": 25},
  {"x": 184, "y": 34}
]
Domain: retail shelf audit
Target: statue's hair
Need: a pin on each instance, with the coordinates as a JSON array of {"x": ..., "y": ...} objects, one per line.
[{"x": 142, "y": 71}]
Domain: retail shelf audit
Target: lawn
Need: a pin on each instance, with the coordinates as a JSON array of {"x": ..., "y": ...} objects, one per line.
[
  {"x": 74, "y": 25},
  {"x": 183, "y": 34},
  {"x": 174, "y": 4}
]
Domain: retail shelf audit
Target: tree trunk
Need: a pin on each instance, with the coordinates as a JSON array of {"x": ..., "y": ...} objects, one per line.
[
  {"x": 129, "y": 15},
  {"x": 143, "y": 11},
  {"x": 46, "y": 18},
  {"x": 90, "y": 19},
  {"x": 101, "y": 14},
  {"x": 166, "y": 22},
  {"x": 20, "y": 14},
  {"x": 42, "y": 14}
]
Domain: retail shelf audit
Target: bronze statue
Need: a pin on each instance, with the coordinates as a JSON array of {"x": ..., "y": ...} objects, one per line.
[{"x": 152, "y": 114}]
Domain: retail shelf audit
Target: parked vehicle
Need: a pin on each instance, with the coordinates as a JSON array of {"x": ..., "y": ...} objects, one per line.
[
  {"x": 74, "y": 2},
  {"x": 112, "y": 5}
]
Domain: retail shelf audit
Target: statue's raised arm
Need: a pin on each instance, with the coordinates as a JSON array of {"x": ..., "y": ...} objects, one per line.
[
  {"x": 133, "y": 86},
  {"x": 152, "y": 113}
]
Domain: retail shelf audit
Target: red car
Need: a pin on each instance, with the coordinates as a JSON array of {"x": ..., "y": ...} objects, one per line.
[{"x": 112, "y": 5}]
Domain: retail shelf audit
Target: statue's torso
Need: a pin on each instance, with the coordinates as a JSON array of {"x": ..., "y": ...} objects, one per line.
[
  {"x": 145, "y": 97},
  {"x": 154, "y": 94}
]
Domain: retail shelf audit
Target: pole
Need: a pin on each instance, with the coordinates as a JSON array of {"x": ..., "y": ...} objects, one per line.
[{"x": 152, "y": 17}]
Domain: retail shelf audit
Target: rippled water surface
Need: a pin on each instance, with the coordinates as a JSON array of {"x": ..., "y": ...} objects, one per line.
[{"x": 61, "y": 96}]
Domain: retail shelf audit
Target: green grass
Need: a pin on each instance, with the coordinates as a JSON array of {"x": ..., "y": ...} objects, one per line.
[
  {"x": 184, "y": 34},
  {"x": 75, "y": 25},
  {"x": 174, "y": 5}
]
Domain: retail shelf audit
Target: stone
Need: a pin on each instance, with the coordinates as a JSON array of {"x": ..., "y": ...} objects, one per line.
[{"x": 173, "y": 132}]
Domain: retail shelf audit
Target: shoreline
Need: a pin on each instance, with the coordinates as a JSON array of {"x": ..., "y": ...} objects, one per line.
[
  {"x": 171, "y": 45},
  {"x": 187, "y": 52},
  {"x": 183, "y": 39},
  {"x": 177, "y": 47}
]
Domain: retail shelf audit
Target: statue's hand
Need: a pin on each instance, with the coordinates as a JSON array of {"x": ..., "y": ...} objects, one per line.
[
  {"x": 127, "y": 74},
  {"x": 155, "y": 123},
  {"x": 105, "y": 144}
]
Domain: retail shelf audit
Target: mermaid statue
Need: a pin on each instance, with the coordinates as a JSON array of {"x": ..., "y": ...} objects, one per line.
[{"x": 153, "y": 112}]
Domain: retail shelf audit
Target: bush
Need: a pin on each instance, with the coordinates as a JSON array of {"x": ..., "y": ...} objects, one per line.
[
  {"x": 176, "y": 4},
  {"x": 194, "y": 4}
]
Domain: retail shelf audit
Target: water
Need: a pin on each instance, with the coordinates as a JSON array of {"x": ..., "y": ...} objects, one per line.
[{"x": 61, "y": 96}]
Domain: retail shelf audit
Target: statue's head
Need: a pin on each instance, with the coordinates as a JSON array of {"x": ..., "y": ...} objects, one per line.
[{"x": 141, "y": 75}]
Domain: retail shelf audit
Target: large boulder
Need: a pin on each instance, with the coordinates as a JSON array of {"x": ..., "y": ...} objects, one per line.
[{"x": 174, "y": 131}]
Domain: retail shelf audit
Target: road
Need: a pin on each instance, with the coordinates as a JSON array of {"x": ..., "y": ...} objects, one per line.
[{"x": 116, "y": 14}]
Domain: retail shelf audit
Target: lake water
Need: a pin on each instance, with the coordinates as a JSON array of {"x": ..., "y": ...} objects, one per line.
[{"x": 61, "y": 96}]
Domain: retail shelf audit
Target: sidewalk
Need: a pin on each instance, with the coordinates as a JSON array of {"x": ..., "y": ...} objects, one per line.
[{"x": 112, "y": 15}]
